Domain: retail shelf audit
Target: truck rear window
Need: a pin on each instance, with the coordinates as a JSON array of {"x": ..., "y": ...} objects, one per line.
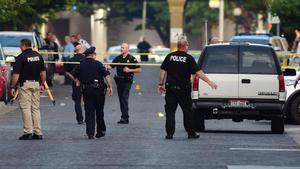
[
  {"x": 221, "y": 59},
  {"x": 257, "y": 60}
]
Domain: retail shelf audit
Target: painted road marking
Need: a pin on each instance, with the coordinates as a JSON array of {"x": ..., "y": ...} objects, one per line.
[
  {"x": 264, "y": 149},
  {"x": 258, "y": 167}
]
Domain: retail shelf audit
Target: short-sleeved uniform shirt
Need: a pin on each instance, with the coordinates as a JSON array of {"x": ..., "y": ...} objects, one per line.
[
  {"x": 179, "y": 66},
  {"x": 90, "y": 70},
  {"x": 128, "y": 59},
  {"x": 29, "y": 65}
]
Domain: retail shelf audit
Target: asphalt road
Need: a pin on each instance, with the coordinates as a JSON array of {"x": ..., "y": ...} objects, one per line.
[{"x": 141, "y": 143}]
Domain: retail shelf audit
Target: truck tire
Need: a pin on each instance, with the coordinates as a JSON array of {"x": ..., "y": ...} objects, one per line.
[
  {"x": 199, "y": 122},
  {"x": 277, "y": 125},
  {"x": 295, "y": 110}
]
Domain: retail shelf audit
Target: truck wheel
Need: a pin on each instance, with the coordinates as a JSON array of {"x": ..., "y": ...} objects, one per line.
[
  {"x": 199, "y": 122},
  {"x": 295, "y": 110},
  {"x": 277, "y": 125}
]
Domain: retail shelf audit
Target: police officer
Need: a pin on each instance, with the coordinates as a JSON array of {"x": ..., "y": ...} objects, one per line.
[
  {"x": 91, "y": 74},
  {"x": 29, "y": 70},
  {"x": 124, "y": 79},
  {"x": 76, "y": 88},
  {"x": 178, "y": 67}
]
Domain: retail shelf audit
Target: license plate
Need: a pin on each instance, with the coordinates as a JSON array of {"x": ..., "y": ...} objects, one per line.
[{"x": 238, "y": 103}]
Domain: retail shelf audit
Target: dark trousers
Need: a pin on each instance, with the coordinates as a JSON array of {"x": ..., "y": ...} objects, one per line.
[
  {"x": 123, "y": 88},
  {"x": 183, "y": 98},
  {"x": 94, "y": 99},
  {"x": 76, "y": 96}
]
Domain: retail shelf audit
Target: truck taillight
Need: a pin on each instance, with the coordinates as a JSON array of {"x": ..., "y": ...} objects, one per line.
[
  {"x": 196, "y": 83},
  {"x": 281, "y": 83}
]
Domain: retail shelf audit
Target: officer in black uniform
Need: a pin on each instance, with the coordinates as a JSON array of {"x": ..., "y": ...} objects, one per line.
[
  {"x": 29, "y": 71},
  {"x": 91, "y": 74},
  {"x": 124, "y": 79},
  {"x": 178, "y": 67},
  {"x": 76, "y": 88}
]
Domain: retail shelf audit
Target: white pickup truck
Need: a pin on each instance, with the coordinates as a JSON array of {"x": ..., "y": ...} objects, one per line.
[{"x": 250, "y": 85}]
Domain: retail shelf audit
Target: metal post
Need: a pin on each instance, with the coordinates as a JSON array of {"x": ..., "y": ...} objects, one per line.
[
  {"x": 206, "y": 33},
  {"x": 278, "y": 29},
  {"x": 144, "y": 18},
  {"x": 221, "y": 20}
]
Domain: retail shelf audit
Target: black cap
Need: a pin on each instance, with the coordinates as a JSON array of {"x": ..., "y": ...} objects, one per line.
[{"x": 90, "y": 50}]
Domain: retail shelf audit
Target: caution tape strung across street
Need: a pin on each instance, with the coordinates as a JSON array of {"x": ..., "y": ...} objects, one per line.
[{"x": 284, "y": 56}]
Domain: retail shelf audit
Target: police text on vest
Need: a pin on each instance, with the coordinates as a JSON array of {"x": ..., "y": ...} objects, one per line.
[
  {"x": 33, "y": 59},
  {"x": 178, "y": 58}
]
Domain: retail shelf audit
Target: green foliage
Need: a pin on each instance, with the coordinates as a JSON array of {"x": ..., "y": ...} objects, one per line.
[
  {"x": 196, "y": 12},
  {"x": 21, "y": 14},
  {"x": 289, "y": 14}
]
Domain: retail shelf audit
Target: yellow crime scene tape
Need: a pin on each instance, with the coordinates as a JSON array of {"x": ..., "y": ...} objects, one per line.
[{"x": 283, "y": 56}]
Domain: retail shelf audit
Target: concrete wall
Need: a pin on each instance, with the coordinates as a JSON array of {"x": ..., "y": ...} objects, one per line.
[
  {"x": 118, "y": 33},
  {"x": 70, "y": 23}
]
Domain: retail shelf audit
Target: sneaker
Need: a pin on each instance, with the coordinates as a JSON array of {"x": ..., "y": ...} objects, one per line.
[
  {"x": 122, "y": 121},
  {"x": 80, "y": 122},
  {"x": 193, "y": 136},
  {"x": 90, "y": 137},
  {"x": 37, "y": 137},
  {"x": 26, "y": 137}
]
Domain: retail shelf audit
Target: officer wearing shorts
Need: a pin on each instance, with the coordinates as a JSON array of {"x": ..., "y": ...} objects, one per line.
[
  {"x": 91, "y": 74},
  {"x": 29, "y": 70},
  {"x": 178, "y": 67}
]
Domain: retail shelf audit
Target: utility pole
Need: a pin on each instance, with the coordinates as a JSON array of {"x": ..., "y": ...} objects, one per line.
[
  {"x": 144, "y": 18},
  {"x": 176, "y": 8},
  {"x": 221, "y": 21}
]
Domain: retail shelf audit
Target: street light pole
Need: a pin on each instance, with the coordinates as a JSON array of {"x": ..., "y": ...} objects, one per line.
[
  {"x": 144, "y": 18},
  {"x": 221, "y": 20},
  {"x": 206, "y": 34}
]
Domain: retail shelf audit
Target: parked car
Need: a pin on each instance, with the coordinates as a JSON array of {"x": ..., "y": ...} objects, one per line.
[
  {"x": 10, "y": 41},
  {"x": 279, "y": 43},
  {"x": 250, "y": 85},
  {"x": 5, "y": 78},
  {"x": 158, "y": 53},
  {"x": 114, "y": 51}
]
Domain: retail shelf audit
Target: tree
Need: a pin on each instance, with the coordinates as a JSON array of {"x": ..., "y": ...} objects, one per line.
[
  {"x": 22, "y": 14},
  {"x": 123, "y": 12},
  {"x": 289, "y": 14}
]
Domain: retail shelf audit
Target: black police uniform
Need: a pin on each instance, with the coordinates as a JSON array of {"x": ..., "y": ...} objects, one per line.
[
  {"x": 124, "y": 81},
  {"x": 91, "y": 74},
  {"x": 76, "y": 90},
  {"x": 29, "y": 65},
  {"x": 179, "y": 67},
  {"x": 144, "y": 47}
]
